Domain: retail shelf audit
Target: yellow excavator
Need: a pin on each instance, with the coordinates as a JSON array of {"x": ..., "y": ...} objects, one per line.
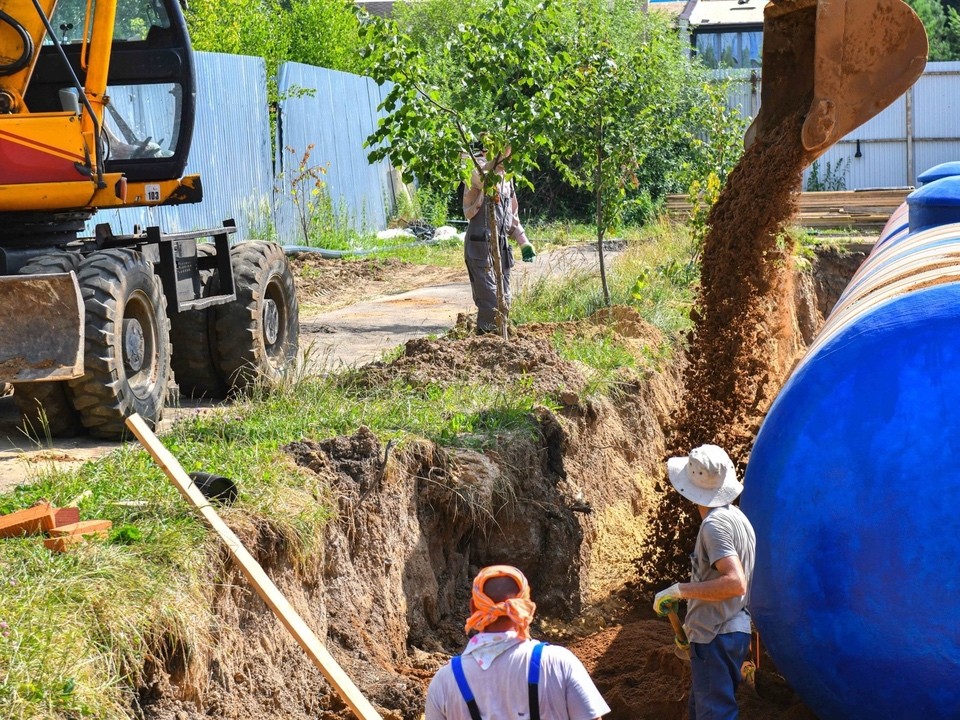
[{"x": 97, "y": 109}]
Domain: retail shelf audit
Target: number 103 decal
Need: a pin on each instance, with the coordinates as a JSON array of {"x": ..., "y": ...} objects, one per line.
[{"x": 152, "y": 193}]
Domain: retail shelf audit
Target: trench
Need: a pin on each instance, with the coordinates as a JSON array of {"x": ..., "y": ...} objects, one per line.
[{"x": 572, "y": 502}]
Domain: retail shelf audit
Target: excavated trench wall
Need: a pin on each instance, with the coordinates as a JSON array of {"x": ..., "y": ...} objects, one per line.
[{"x": 571, "y": 504}]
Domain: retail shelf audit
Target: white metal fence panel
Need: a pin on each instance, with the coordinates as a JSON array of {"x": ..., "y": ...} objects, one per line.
[
  {"x": 329, "y": 114},
  {"x": 230, "y": 152},
  {"x": 919, "y": 130}
]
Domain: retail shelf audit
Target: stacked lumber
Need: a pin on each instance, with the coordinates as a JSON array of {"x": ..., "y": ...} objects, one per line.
[
  {"x": 828, "y": 209},
  {"x": 62, "y": 525}
]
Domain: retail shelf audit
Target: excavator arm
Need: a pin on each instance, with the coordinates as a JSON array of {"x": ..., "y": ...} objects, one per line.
[{"x": 838, "y": 61}]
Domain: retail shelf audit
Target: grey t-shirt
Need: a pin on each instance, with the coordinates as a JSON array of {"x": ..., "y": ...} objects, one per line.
[{"x": 724, "y": 532}]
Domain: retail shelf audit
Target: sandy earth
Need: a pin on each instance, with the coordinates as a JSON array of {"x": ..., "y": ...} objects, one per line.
[{"x": 351, "y": 313}]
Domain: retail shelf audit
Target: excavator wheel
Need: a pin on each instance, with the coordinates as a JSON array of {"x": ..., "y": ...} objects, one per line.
[
  {"x": 127, "y": 347},
  {"x": 258, "y": 333},
  {"x": 192, "y": 333},
  {"x": 45, "y": 406}
]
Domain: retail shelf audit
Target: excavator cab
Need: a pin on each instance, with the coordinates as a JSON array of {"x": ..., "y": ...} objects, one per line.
[
  {"x": 838, "y": 61},
  {"x": 96, "y": 105},
  {"x": 148, "y": 117}
]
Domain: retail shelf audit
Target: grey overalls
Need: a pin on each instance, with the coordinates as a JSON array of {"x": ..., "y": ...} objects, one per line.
[{"x": 476, "y": 251}]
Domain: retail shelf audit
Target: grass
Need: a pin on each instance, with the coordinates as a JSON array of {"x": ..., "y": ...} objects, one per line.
[{"x": 655, "y": 274}]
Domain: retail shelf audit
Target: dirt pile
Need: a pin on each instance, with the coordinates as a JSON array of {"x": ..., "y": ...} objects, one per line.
[{"x": 485, "y": 359}]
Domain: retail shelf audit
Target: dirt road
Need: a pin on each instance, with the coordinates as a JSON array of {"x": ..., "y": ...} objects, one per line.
[{"x": 404, "y": 302}]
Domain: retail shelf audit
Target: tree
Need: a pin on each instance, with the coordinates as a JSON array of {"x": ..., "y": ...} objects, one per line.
[
  {"x": 680, "y": 91},
  {"x": 942, "y": 24},
  {"x": 510, "y": 92},
  {"x": 635, "y": 95},
  {"x": 316, "y": 32}
]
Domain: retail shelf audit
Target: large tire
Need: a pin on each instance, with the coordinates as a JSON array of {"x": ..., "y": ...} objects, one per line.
[
  {"x": 45, "y": 406},
  {"x": 258, "y": 333},
  {"x": 127, "y": 349},
  {"x": 192, "y": 334}
]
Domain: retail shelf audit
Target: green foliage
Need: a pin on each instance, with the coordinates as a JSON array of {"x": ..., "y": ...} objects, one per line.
[
  {"x": 602, "y": 355},
  {"x": 834, "y": 176},
  {"x": 319, "y": 222},
  {"x": 317, "y": 32},
  {"x": 942, "y": 23},
  {"x": 507, "y": 94},
  {"x": 702, "y": 196},
  {"x": 424, "y": 203},
  {"x": 628, "y": 76},
  {"x": 653, "y": 275}
]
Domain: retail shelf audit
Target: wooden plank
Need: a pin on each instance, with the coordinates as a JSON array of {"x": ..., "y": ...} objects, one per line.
[
  {"x": 29, "y": 521},
  {"x": 264, "y": 586},
  {"x": 84, "y": 527},
  {"x": 824, "y": 209}
]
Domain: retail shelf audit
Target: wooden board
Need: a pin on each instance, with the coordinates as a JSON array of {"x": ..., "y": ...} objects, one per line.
[
  {"x": 264, "y": 586},
  {"x": 838, "y": 208},
  {"x": 65, "y": 542}
]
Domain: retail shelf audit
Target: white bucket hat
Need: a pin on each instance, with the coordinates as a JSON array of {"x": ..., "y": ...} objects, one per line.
[{"x": 706, "y": 477}]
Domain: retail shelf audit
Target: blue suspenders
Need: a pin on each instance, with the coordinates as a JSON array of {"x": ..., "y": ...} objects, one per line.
[{"x": 533, "y": 680}]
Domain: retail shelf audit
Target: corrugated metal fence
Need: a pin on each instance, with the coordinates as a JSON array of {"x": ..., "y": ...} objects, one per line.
[
  {"x": 330, "y": 110},
  {"x": 921, "y": 129}
]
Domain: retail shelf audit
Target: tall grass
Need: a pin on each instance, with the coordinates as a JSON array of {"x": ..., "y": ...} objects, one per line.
[{"x": 655, "y": 274}]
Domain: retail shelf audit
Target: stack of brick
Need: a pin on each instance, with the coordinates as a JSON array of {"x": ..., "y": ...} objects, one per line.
[{"x": 62, "y": 525}]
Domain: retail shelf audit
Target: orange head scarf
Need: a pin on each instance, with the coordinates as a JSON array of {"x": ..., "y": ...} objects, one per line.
[{"x": 520, "y": 609}]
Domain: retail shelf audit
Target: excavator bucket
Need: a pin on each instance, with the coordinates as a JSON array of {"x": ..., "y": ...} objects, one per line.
[
  {"x": 41, "y": 327},
  {"x": 841, "y": 61}
]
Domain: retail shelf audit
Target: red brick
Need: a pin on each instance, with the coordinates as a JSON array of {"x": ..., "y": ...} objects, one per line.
[
  {"x": 84, "y": 527},
  {"x": 67, "y": 516},
  {"x": 30, "y": 521}
]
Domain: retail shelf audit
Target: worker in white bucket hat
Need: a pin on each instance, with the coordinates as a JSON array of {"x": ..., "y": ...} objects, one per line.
[{"x": 717, "y": 623}]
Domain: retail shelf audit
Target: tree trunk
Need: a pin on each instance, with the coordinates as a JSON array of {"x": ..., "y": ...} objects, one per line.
[{"x": 600, "y": 227}]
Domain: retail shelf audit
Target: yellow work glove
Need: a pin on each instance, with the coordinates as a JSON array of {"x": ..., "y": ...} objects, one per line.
[{"x": 667, "y": 600}]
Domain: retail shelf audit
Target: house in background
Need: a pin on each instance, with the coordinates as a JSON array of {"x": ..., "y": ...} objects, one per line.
[
  {"x": 383, "y": 9},
  {"x": 725, "y": 33}
]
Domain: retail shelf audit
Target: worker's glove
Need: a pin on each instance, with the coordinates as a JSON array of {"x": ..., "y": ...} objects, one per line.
[
  {"x": 667, "y": 600},
  {"x": 527, "y": 253}
]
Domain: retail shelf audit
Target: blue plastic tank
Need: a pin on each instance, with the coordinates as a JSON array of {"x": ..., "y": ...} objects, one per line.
[
  {"x": 898, "y": 225},
  {"x": 853, "y": 487}
]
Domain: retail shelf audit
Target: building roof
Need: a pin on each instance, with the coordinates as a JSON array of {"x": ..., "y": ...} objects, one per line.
[
  {"x": 673, "y": 8},
  {"x": 383, "y": 9},
  {"x": 700, "y": 13}
]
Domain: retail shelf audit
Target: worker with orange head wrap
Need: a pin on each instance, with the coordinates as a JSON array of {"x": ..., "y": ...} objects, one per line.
[{"x": 504, "y": 674}]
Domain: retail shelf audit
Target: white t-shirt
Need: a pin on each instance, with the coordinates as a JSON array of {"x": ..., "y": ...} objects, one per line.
[{"x": 566, "y": 691}]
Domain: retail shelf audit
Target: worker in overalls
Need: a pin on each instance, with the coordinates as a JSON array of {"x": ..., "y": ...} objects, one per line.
[
  {"x": 502, "y": 673},
  {"x": 476, "y": 249}
]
